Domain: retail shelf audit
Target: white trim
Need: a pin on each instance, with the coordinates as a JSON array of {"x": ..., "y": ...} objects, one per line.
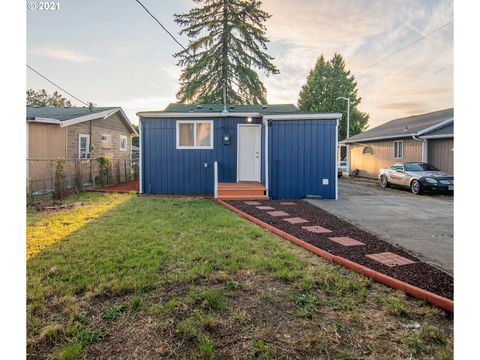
[
  {"x": 87, "y": 136},
  {"x": 399, "y": 157},
  {"x": 265, "y": 122},
  {"x": 439, "y": 136},
  {"x": 120, "y": 143},
  {"x": 400, "y": 136},
  {"x": 436, "y": 126},
  {"x": 140, "y": 178},
  {"x": 45, "y": 120},
  {"x": 80, "y": 119},
  {"x": 215, "y": 179},
  {"x": 259, "y": 150},
  {"x": 174, "y": 115},
  {"x": 194, "y": 122},
  {"x": 336, "y": 160},
  {"x": 309, "y": 116}
]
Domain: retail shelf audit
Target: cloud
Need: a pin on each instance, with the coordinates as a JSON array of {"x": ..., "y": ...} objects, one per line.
[
  {"x": 419, "y": 77},
  {"x": 63, "y": 54},
  {"x": 134, "y": 105}
]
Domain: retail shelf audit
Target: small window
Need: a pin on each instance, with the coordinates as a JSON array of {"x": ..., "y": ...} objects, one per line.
[
  {"x": 398, "y": 149},
  {"x": 106, "y": 141},
  {"x": 83, "y": 146},
  {"x": 123, "y": 143},
  {"x": 195, "y": 134},
  {"x": 367, "y": 150}
]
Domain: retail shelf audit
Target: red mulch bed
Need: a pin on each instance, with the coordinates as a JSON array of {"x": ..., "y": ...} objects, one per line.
[
  {"x": 120, "y": 188},
  {"x": 418, "y": 274}
]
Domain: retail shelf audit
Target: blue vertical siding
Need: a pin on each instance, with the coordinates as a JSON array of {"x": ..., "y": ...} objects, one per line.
[
  {"x": 167, "y": 170},
  {"x": 301, "y": 154}
]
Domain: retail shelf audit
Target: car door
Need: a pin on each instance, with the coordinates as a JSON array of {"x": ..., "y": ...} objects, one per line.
[{"x": 396, "y": 175}]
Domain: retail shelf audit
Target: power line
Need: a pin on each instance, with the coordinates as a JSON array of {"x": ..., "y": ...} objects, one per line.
[
  {"x": 159, "y": 23},
  {"x": 51, "y": 82},
  {"x": 406, "y": 46}
]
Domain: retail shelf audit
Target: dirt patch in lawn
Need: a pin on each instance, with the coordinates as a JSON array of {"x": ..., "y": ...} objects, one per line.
[
  {"x": 419, "y": 274},
  {"x": 261, "y": 317}
]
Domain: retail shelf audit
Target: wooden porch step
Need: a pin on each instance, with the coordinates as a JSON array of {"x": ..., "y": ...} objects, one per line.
[
  {"x": 243, "y": 197},
  {"x": 242, "y": 191}
]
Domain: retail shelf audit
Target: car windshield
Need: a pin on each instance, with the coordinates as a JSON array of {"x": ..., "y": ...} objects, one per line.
[{"x": 419, "y": 167}]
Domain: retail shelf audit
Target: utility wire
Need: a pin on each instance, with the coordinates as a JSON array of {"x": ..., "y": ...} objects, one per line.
[
  {"x": 406, "y": 46},
  {"x": 51, "y": 82},
  {"x": 159, "y": 23}
]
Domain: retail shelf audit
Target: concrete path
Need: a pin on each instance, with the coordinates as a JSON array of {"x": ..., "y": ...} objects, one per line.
[{"x": 422, "y": 225}]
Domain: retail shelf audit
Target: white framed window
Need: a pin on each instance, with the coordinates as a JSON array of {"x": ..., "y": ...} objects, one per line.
[
  {"x": 83, "y": 146},
  {"x": 123, "y": 144},
  {"x": 195, "y": 134},
  {"x": 398, "y": 149},
  {"x": 106, "y": 141}
]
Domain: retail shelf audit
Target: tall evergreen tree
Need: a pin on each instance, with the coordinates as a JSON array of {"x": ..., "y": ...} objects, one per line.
[
  {"x": 327, "y": 81},
  {"x": 229, "y": 43}
]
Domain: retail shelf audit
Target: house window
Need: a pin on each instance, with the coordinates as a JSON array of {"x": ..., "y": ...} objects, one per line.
[
  {"x": 367, "y": 150},
  {"x": 398, "y": 149},
  {"x": 195, "y": 134},
  {"x": 123, "y": 143},
  {"x": 83, "y": 146},
  {"x": 106, "y": 141}
]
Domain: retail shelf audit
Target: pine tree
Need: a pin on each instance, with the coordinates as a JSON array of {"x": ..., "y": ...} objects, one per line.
[
  {"x": 229, "y": 43},
  {"x": 327, "y": 81}
]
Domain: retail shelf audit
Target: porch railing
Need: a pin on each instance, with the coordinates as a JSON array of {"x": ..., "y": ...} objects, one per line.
[{"x": 215, "y": 178}]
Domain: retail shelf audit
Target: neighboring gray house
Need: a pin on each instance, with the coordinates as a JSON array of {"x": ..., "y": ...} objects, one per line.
[
  {"x": 75, "y": 134},
  {"x": 426, "y": 137}
]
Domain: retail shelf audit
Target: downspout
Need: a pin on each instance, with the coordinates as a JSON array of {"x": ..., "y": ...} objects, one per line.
[{"x": 424, "y": 148}]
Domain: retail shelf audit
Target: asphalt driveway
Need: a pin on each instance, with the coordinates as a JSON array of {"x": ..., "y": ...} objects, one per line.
[{"x": 421, "y": 225}]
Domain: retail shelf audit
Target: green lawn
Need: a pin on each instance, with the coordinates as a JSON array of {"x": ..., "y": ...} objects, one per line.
[{"x": 181, "y": 278}]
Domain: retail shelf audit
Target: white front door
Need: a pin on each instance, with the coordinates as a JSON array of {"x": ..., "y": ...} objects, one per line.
[{"x": 248, "y": 164}]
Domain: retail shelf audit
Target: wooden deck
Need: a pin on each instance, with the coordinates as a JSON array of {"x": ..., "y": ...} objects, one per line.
[{"x": 245, "y": 190}]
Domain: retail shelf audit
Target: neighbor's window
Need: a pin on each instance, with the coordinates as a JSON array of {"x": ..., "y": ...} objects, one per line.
[
  {"x": 123, "y": 143},
  {"x": 83, "y": 146},
  {"x": 195, "y": 134},
  {"x": 367, "y": 150},
  {"x": 398, "y": 149},
  {"x": 105, "y": 140}
]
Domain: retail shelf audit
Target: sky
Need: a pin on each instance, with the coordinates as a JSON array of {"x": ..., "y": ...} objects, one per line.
[{"x": 113, "y": 53}]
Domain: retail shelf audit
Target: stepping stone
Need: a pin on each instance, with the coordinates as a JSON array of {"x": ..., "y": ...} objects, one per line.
[
  {"x": 287, "y": 203},
  {"x": 316, "y": 229},
  {"x": 278, "y": 213},
  {"x": 252, "y": 203},
  {"x": 390, "y": 259},
  {"x": 346, "y": 241},
  {"x": 296, "y": 220},
  {"x": 265, "y": 208}
]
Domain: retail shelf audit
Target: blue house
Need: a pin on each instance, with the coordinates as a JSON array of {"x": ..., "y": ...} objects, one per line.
[{"x": 238, "y": 152}]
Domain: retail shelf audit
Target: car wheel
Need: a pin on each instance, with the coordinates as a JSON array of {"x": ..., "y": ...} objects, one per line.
[
  {"x": 384, "y": 182},
  {"x": 416, "y": 187}
]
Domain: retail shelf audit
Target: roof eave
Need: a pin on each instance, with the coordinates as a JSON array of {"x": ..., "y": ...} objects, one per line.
[{"x": 389, "y": 137}]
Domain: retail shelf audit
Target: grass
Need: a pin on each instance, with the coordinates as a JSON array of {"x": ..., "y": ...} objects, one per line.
[{"x": 193, "y": 279}]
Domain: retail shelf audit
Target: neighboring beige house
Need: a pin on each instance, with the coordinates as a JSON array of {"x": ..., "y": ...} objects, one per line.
[
  {"x": 76, "y": 134},
  {"x": 426, "y": 138}
]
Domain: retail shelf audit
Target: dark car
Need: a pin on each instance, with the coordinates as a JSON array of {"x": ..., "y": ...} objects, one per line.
[{"x": 417, "y": 176}]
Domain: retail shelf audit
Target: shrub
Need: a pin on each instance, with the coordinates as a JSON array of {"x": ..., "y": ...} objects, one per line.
[{"x": 104, "y": 163}]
